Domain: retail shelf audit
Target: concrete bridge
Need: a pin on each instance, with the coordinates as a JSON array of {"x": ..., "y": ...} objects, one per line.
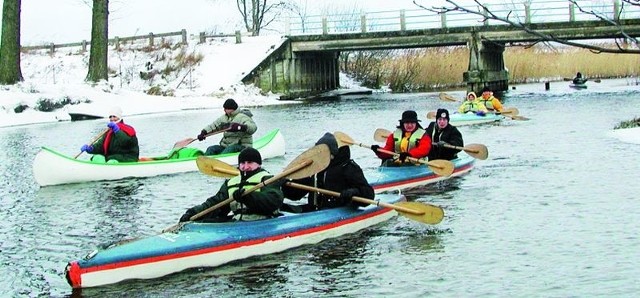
[{"x": 307, "y": 64}]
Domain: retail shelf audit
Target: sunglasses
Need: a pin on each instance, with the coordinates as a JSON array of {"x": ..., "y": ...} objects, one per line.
[{"x": 112, "y": 116}]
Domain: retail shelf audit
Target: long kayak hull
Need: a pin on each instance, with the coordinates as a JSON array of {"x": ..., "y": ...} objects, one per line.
[
  {"x": 473, "y": 119},
  {"x": 213, "y": 244},
  {"x": 401, "y": 178},
  {"x": 53, "y": 168}
]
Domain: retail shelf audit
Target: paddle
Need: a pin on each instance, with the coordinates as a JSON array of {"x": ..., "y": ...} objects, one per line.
[
  {"x": 306, "y": 164},
  {"x": 440, "y": 167},
  {"x": 477, "y": 151},
  {"x": 93, "y": 141},
  {"x": 446, "y": 97},
  {"x": 187, "y": 141},
  {"x": 587, "y": 80},
  {"x": 417, "y": 211}
]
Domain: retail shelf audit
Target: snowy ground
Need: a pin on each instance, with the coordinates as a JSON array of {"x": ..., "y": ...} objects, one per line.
[{"x": 204, "y": 86}]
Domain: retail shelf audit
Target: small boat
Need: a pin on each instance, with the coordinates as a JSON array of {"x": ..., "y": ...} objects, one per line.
[
  {"x": 578, "y": 86},
  {"x": 457, "y": 119},
  {"x": 400, "y": 178},
  {"x": 71, "y": 170},
  {"x": 198, "y": 245}
]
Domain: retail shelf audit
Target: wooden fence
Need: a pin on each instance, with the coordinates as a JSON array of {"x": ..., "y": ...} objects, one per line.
[{"x": 116, "y": 41}]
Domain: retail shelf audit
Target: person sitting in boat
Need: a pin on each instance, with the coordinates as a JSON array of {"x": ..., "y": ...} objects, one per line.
[
  {"x": 491, "y": 103},
  {"x": 579, "y": 80},
  {"x": 118, "y": 144},
  {"x": 443, "y": 133},
  {"x": 260, "y": 204},
  {"x": 343, "y": 175},
  {"x": 409, "y": 140},
  {"x": 238, "y": 127},
  {"x": 472, "y": 105}
]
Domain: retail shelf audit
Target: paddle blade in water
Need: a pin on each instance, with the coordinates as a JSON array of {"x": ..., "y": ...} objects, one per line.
[{"x": 432, "y": 214}]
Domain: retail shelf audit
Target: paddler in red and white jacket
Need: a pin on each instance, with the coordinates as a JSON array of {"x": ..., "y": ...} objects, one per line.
[
  {"x": 409, "y": 140},
  {"x": 118, "y": 144}
]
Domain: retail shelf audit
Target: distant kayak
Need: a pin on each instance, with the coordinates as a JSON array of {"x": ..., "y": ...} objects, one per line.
[{"x": 578, "y": 86}]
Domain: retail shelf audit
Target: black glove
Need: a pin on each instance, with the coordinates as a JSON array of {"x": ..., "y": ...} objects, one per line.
[
  {"x": 403, "y": 156},
  {"x": 237, "y": 195},
  {"x": 441, "y": 144},
  {"x": 348, "y": 193},
  {"x": 202, "y": 135},
  {"x": 187, "y": 215},
  {"x": 375, "y": 148},
  {"x": 237, "y": 127}
]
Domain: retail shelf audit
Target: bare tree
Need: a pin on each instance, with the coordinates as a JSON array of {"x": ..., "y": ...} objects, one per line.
[
  {"x": 10, "y": 72},
  {"x": 487, "y": 14},
  {"x": 98, "y": 64},
  {"x": 258, "y": 14}
]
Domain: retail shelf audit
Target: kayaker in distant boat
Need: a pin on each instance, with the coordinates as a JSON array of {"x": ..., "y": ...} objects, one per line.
[
  {"x": 260, "y": 204},
  {"x": 443, "y": 133},
  {"x": 343, "y": 175},
  {"x": 491, "y": 103},
  {"x": 579, "y": 80},
  {"x": 239, "y": 128},
  {"x": 472, "y": 105},
  {"x": 119, "y": 144},
  {"x": 409, "y": 140}
]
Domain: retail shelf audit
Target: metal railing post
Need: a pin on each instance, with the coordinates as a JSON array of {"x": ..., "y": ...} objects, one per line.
[
  {"x": 403, "y": 21},
  {"x": 572, "y": 12},
  {"x": 363, "y": 23}
]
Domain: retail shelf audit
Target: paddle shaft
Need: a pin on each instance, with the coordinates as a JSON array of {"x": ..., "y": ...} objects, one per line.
[
  {"x": 180, "y": 144},
  {"x": 355, "y": 198},
  {"x": 93, "y": 141}
]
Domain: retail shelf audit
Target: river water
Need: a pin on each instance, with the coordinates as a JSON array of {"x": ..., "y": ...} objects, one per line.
[{"x": 553, "y": 212}]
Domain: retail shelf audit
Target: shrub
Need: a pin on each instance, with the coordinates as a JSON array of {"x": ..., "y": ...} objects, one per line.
[{"x": 635, "y": 122}]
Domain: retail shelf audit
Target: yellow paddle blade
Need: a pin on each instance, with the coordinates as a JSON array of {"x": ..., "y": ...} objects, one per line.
[
  {"x": 214, "y": 167},
  {"x": 431, "y": 115},
  {"x": 318, "y": 154},
  {"x": 381, "y": 134},
  {"x": 446, "y": 97},
  {"x": 432, "y": 214},
  {"x": 343, "y": 139},
  {"x": 440, "y": 166},
  {"x": 478, "y": 151},
  {"x": 510, "y": 111}
]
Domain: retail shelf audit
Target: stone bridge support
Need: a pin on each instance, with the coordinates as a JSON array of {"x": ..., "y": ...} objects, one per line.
[
  {"x": 486, "y": 65},
  {"x": 296, "y": 74}
]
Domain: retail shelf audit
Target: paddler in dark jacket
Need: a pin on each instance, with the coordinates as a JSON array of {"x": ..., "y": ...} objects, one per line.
[
  {"x": 119, "y": 144},
  {"x": 259, "y": 204},
  {"x": 343, "y": 175},
  {"x": 442, "y": 133}
]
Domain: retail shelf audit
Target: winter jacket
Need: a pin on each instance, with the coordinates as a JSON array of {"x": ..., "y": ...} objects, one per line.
[
  {"x": 121, "y": 146},
  {"x": 341, "y": 174},
  {"x": 418, "y": 147},
  {"x": 265, "y": 201},
  {"x": 243, "y": 138},
  {"x": 451, "y": 135}
]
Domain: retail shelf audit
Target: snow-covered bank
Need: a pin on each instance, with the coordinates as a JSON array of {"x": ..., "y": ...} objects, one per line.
[{"x": 60, "y": 77}]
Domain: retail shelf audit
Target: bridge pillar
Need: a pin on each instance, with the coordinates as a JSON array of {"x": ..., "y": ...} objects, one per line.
[
  {"x": 294, "y": 75},
  {"x": 486, "y": 66}
]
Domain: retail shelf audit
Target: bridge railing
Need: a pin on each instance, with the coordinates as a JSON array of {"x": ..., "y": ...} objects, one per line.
[{"x": 546, "y": 11}]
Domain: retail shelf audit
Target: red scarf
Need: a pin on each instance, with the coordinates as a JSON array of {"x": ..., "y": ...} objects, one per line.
[{"x": 107, "y": 140}]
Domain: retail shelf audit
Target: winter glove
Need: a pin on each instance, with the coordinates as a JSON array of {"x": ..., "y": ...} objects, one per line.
[
  {"x": 480, "y": 113},
  {"x": 403, "y": 156},
  {"x": 86, "y": 148},
  {"x": 187, "y": 215},
  {"x": 348, "y": 193},
  {"x": 375, "y": 148},
  {"x": 441, "y": 144},
  {"x": 114, "y": 127},
  {"x": 202, "y": 135},
  {"x": 237, "y": 195},
  {"x": 237, "y": 127}
]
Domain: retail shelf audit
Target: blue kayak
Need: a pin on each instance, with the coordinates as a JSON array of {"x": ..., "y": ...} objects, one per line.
[
  {"x": 213, "y": 244},
  {"x": 400, "y": 178}
]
